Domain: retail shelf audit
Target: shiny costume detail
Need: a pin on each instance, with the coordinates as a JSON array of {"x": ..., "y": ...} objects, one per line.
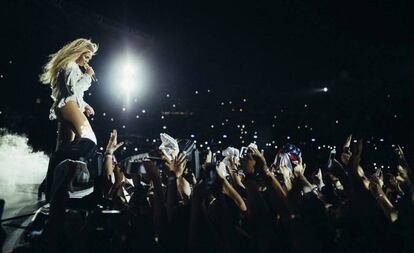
[{"x": 71, "y": 84}]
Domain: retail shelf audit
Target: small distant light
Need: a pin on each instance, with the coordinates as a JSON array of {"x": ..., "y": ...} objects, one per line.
[
  {"x": 243, "y": 126},
  {"x": 201, "y": 145},
  {"x": 192, "y": 135},
  {"x": 375, "y": 148},
  {"x": 123, "y": 126},
  {"x": 241, "y": 109},
  {"x": 219, "y": 142},
  {"x": 206, "y": 142},
  {"x": 112, "y": 119},
  {"x": 101, "y": 148},
  {"x": 306, "y": 105},
  {"x": 245, "y": 132},
  {"x": 135, "y": 149},
  {"x": 208, "y": 91},
  {"x": 164, "y": 127},
  {"x": 242, "y": 141},
  {"x": 1, "y": 76},
  {"x": 89, "y": 94},
  {"x": 173, "y": 105},
  {"x": 212, "y": 126},
  {"x": 222, "y": 103},
  {"x": 255, "y": 136},
  {"x": 224, "y": 136},
  {"x": 123, "y": 109},
  {"x": 137, "y": 116},
  {"x": 306, "y": 126},
  {"x": 313, "y": 140},
  {"x": 241, "y": 137},
  {"x": 92, "y": 119},
  {"x": 319, "y": 147},
  {"x": 252, "y": 121},
  {"x": 275, "y": 117},
  {"x": 325, "y": 89},
  {"x": 355, "y": 141},
  {"x": 143, "y": 111},
  {"x": 298, "y": 127},
  {"x": 273, "y": 125},
  {"x": 273, "y": 142},
  {"x": 238, "y": 126},
  {"x": 196, "y": 92},
  {"x": 218, "y": 151},
  {"x": 154, "y": 140},
  {"x": 388, "y": 95},
  {"x": 288, "y": 137},
  {"x": 194, "y": 141},
  {"x": 336, "y": 121},
  {"x": 208, "y": 148},
  {"x": 162, "y": 116},
  {"x": 230, "y": 102},
  {"x": 168, "y": 95},
  {"x": 255, "y": 132},
  {"x": 244, "y": 100},
  {"x": 104, "y": 114},
  {"x": 227, "y": 120},
  {"x": 10, "y": 62},
  {"x": 124, "y": 148},
  {"x": 395, "y": 116},
  {"x": 222, "y": 123}
]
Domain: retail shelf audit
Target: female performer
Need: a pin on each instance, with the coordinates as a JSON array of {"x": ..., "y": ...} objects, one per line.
[{"x": 62, "y": 72}]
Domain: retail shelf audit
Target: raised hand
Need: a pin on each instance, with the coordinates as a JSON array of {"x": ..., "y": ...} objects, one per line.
[
  {"x": 346, "y": 153},
  {"x": 177, "y": 164},
  {"x": 248, "y": 163},
  {"x": 113, "y": 144},
  {"x": 258, "y": 157}
]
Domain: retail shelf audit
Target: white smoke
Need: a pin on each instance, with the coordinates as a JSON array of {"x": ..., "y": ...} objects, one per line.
[{"x": 19, "y": 164}]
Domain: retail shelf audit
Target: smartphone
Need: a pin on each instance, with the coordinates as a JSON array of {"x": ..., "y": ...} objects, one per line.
[{"x": 243, "y": 152}]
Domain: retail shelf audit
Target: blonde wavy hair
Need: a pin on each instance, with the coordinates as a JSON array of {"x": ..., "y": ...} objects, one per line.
[{"x": 67, "y": 54}]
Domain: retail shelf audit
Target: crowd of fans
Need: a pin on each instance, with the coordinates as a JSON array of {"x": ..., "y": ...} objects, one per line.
[{"x": 237, "y": 201}]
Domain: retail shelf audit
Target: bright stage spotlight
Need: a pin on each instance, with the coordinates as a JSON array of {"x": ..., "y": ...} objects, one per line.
[
  {"x": 325, "y": 89},
  {"x": 129, "y": 77}
]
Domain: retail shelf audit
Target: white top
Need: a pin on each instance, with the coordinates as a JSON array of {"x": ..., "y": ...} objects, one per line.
[{"x": 75, "y": 83}]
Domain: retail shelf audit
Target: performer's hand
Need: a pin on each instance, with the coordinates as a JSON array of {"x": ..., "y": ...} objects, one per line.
[
  {"x": 89, "y": 70},
  {"x": 89, "y": 110}
]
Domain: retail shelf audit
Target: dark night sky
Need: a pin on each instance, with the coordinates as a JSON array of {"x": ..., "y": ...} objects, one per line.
[{"x": 274, "y": 53}]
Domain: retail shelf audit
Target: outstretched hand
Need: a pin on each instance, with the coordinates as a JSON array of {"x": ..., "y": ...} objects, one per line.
[
  {"x": 177, "y": 164},
  {"x": 113, "y": 144},
  {"x": 346, "y": 153}
]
